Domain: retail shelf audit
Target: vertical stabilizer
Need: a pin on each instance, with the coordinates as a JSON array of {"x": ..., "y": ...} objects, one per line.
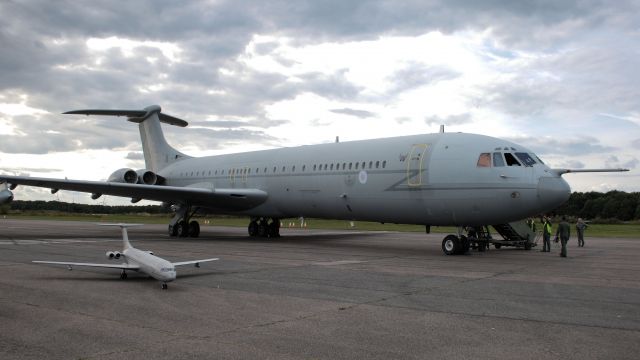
[{"x": 157, "y": 152}]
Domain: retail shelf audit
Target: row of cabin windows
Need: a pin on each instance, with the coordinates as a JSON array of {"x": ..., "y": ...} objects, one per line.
[
  {"x": 316, "y": 167},
  {"x": 520, "y": 158}
]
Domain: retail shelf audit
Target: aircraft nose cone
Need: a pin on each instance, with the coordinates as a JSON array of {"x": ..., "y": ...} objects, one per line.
[{"x": 552, "y": 192}]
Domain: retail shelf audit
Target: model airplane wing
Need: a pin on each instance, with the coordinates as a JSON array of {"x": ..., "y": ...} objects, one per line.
[
  {"x": 205, "y": 194},
  {"x": 111, "y": 266},
  {"x": 193, "y": 262}
]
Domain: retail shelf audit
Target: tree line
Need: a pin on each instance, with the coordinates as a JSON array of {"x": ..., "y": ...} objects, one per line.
[
  {"x": 595, "y": 206},
  {"x": 613, "y": 205}
]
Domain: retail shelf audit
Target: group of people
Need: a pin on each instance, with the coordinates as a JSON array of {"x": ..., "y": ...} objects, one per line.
[{"x": 562, "y": 233}]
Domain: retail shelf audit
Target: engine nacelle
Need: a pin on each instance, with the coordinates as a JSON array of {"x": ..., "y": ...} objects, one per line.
[
  {"x": 147, "y": 177},
  {"x": 124, "y": 175},
  {"x": 6, "y": 196},
  {"x": 113, "y": 255}
]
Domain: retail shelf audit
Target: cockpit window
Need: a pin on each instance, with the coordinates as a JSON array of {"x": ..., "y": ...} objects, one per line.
[
  {"x": 167, "y": 269},
  {"x": 511, "y": 161},
  {"x": 497, "y": 159},
  {"x": 484, "y": 160},
  {"x": 525, "y": 158},
  {"x": 537, "y": 158}
]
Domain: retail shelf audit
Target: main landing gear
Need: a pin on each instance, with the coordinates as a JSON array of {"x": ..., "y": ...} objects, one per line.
[
  {"x": 181, "y": 224},
  {"x": 165, "y": 286},
  {"x": 264, "y": 227}
]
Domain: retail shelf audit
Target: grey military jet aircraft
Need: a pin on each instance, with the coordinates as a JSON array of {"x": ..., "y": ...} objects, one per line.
[{"x": 441, "y": 179}]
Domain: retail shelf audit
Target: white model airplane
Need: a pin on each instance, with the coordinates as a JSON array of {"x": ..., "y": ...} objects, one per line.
[
  {"x": 442, "y": 179},
  {"x": 136, "y": 260}
]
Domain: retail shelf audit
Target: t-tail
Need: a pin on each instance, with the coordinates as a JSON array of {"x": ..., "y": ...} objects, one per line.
[
  {"x": 125, "y": 236},
  {"x": 157, "y": 152}
]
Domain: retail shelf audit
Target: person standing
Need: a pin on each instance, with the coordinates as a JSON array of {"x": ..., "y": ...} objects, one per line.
[
  {"x": 564, "y": 232},
  {"x": 580, "y": 226},
  {"x": 546, "y": 234}
]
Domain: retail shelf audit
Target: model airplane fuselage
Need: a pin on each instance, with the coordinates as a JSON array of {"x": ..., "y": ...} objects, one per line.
[
  {"x": 433, "y": 179},
  {"x": 136, "y": 260}
]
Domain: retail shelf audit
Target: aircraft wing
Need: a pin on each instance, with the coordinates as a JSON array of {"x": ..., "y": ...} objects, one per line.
[
  {"x": 111, "y": 266},
  {"x": 206, "y": 195},
  {"x": 193, "y": 262}
]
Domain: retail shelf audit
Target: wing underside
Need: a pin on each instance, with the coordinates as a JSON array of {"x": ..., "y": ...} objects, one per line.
[{"x": 231, "y": 199}]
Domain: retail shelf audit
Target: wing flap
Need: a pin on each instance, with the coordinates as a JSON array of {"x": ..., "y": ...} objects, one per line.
[{"x": 231, "y": 199}]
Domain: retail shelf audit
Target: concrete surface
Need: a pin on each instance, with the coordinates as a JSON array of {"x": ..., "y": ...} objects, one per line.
[{"x": 314, "y": 294}]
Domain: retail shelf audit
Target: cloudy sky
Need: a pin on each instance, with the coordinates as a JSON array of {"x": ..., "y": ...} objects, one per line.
[{"x": 560, "y": 77}]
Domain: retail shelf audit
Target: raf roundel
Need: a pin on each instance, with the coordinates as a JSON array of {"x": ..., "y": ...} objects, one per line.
[{"x": 362, "y": 177}]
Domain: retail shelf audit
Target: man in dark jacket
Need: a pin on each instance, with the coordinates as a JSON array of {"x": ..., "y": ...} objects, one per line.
[{"x": 564, "y": 231}]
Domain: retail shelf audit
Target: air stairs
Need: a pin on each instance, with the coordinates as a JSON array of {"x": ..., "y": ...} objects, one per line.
[{"x": 517, "y": 234}]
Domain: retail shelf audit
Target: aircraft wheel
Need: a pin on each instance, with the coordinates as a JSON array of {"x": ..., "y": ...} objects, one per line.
[
  {"x": 173, "y": 231},
  {"x": 181, "y": 229},
  {"x": 482, "y": 246},
  {"x": 165, "y": 286},
  {"x": 527, "y": 245},
  {"x": 465, "y": 244},
  {"x": 450, "y": 244},
  {"x": 263, "y": 229},
  {"x": 123, "y": 276},
  {"x": 497, "y": 246},
  {"x": 253, "y": 228},
  {"x": 194, "y": 229}
]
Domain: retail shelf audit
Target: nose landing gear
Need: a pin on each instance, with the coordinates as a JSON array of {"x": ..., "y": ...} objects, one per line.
[{"x": 264, "y": 227}]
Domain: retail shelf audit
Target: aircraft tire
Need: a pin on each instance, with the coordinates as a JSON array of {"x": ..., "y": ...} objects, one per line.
[
  {"x": 182, "y": 230},
  {"x": 173, "y": 231},
  {"x": 450, "y": 245},
  {"x": 194, "y": 229},
  {"x": 527, "y": 245},
  {"x": 263, "y": 230},
  {"x": 253, "y": 229},
  {"x": 165, "y": 286},
  {"x": 497, "y": 246},
  {"x": 465, "y": 244}
]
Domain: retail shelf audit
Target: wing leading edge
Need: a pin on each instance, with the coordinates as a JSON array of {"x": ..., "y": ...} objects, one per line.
[
  {"x": 110, "y": 266},
  {"x": 203, "y": 195},
  {"x": 192, "y": 262}
]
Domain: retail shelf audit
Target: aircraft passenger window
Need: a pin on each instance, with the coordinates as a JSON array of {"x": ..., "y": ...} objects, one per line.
[
  {"x": 325, "y": 166},
  {"x": 265, "y": 170},
  {"x": 484, "y": 160},
  {"x": 350, "y": 165},
  {"x": 331, "y": 167},
  {"x": 377, "y": 164},
  {"x": 304, "y": 167},
  {"x": 384, "y": 164},
  {"x": 525, "y": 159},
  {"x": 357, "y": 165},
  {"x": 284, "y": 169},
  {"x": 497, "y": 159},
  {"x": 511, "y": 161},
  {"x": 293, "y": 169},
  {"x": 274, "y": 169},
  {"x": 364, "y": 165},
  {"x": 344, "y": 166},
  {"x": 192, "y": 174},
  {"x": 370, "y": 164},
  {"x": 314, "y": 167}
]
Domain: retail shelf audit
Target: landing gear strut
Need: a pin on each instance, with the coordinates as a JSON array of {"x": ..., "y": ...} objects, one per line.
[
  {"x": 181, "y": 224},
  {"x": 123, "y": 275},
  {"x": 164, "y": 286},
  {"x": 264, "y": 227}
]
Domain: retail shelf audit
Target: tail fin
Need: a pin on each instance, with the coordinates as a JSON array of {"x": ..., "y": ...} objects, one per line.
[
  {"x": 157, "y": 152},
  {"x": 125, "y": 237}
]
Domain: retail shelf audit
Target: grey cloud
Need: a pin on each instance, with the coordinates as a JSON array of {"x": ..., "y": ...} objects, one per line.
[
  {"x": 363, "y": 114},
  {"x": 135, "y": 156},
  {"x": 577, "y": 145},
  {"x": 417, "y": 75},
  {"x": 636, "y": 143},
  {"x": 449, "y": 120},
  {"x": 572, "y": 164}
]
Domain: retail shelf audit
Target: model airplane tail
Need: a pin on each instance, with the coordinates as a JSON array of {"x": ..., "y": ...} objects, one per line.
[
  {"x": 125, "y": 237},
  {"x": 157, "y": 152}
]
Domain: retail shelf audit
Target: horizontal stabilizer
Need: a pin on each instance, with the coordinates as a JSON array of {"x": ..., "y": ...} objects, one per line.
[
  {"x": 567, "y": 171},
  {"x": 136, "y": 116}
]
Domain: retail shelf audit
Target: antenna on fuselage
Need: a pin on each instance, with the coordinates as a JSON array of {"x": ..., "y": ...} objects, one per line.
[{"x": 442, "y": 129}]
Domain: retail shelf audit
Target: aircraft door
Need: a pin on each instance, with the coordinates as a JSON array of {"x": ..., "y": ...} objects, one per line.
[{"x": 415, "y": 164}]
